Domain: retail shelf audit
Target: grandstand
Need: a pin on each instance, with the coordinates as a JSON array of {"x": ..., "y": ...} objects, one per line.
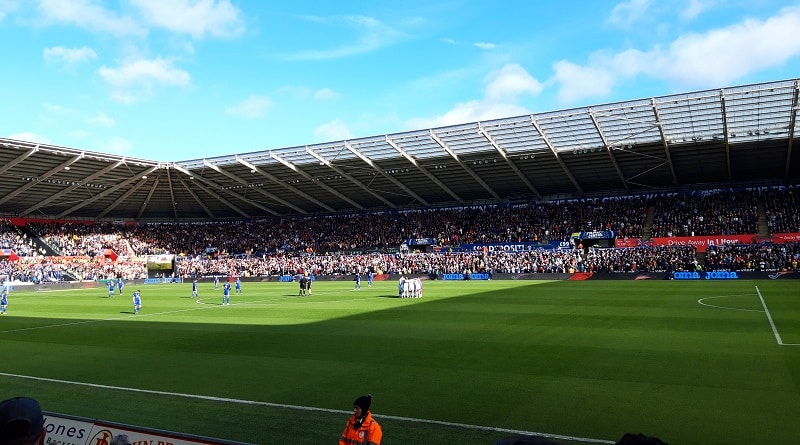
[
  {"x": 702, "y": 181},
  {"x": 740, "y": 135}
]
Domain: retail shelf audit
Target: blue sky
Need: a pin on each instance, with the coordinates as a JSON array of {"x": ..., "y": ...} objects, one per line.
[{"x": 172, "y": 80}]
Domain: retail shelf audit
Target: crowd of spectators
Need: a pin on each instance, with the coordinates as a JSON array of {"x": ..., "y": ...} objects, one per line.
[
  {"x": 763, "y": 257},
  {"x": 345, "y": 244},
  {"x": 718, "y": 212},
  {"x": 781, "y": 209}
]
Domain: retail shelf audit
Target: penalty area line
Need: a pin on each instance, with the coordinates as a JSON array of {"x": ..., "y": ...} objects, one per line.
[{"x": 307, "y": 408}]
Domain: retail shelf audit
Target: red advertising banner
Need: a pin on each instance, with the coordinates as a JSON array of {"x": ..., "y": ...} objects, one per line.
[
  {"x": 622, "y": 243},
  {"x": 702, "y": 242},
  {"x": 785, "y": 237}
]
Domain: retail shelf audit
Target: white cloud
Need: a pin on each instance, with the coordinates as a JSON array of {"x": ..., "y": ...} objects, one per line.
[
  {"x": 58, "y": 110},
  {"x": 30, "y": 137},
  {"x": 485, "y": 45},
  {"x": 626, "y": 13},
  {"x": 471, "y": 111},
  {"x": 254, "y": 106},
  {"x": 335, "y": 130},
  {"x": 372, "y": 35},
  {"x": 217, "y": 18},
  {"x": 577, "y": 82},
  {"x": 101, "y": 119},
  {"x": 68, "y": 56},
  {"x": 326, "y": 94},
  {"x": 504, "y": 88},
  {"x": 695, "y": 8},
  {"x": 115, "y": 145},
  {"x": 6, "y": 7},
  {"x": 138, "y": 77},
  {"x": 697, "y": 60},
  {"x": 90, "y": 15},
  {"x": 509, "y": 82}
]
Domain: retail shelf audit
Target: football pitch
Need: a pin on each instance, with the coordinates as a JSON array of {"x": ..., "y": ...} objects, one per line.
[{"x": 690, "y": 362}]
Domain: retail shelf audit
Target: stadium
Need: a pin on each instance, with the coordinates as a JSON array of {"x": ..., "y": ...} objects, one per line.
[{"x": 575, "y": 329}]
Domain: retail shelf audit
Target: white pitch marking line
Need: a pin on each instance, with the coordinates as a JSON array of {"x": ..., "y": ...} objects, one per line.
[
  {"x": 772, "y": 323},
  {"x": 309, "y": 408},
  {"x": 727, "y": 307}
]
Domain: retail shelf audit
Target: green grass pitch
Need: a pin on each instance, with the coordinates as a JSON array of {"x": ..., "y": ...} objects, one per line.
[{"x": 703, "y": 362}]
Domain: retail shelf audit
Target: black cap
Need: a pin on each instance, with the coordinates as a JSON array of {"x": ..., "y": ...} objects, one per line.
[
  {"x": 20, "y": 418},
  {"x": 363, "y": 402}
]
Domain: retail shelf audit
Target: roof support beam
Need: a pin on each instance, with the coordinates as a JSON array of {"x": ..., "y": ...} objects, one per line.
[
  {"x": 197, "y": 198},
  {"x": 344, "y": 174},
  {"x": 508, "y": 160},
  {"x": 256, "y": 169},
  {"x": 18, "y": 159},
  {"x": 792, "y": 124},
  {"x": 43, "y": 177},
  {"x": 210, "y": 185},
  {"x": 258, "y": 190},
  {"x": 725, "y": 133},
  {"x": 383, "y": 173},
  {"x": 556, "y": 155},
  {"x": 146, "y": 200},
  {"x": 328, "y": 188},
  {"x": 423, "y": 170},
  {"x": 69, "y": 189},
  {"x": 608, "y": 150},
  {"x": 173, "y": 202},
  {"x": 109, "y": 191},
  {"x": 664, "y": 142},
  {"x": 466, "y": 168}
]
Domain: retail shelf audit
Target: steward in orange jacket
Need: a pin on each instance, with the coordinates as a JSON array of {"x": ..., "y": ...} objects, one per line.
[{"x": 361, "y": 428}]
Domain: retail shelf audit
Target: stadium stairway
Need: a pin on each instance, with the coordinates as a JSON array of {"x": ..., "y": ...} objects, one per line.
[
  {"x": 37, "y": 242},
  {"x": 647, "y": 230},
  {"x": 763, "y": 228}
]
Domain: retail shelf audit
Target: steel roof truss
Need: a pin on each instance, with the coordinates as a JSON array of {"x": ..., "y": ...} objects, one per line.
[
  {"x": 106, "y": 192},
  {"x": 197, "y": 198},
  {"x": 18, "y": 159},
  {"x": 792, "y": 123},
  {"x": 725, "y": 132},
  {"x": 147, "y": 199},
  {"x": 508, "y": 160},
  {"x": 258, "y": 190},
  {"x": 48, "y": 174},
  {"x": 322, "y": 184},
  {"x": 664, "y": 142},
  {"x": 256, "y": 169},
  {"x": 209, "y": 183},
  {"x": 423, "y": 170},
  {"x": 556, "y": 155},
  {"x": 381, "y": 172},
  {"x": 463, "y": 165},
  {"x": 608, "y": 150},
  {"x": 69, "y": 189}
]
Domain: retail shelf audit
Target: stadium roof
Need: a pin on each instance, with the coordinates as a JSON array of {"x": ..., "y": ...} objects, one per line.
[{"x": 722, "y": 137}]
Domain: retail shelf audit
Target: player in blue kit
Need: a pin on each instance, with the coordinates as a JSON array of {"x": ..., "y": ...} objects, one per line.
[
  {"x": 137, "y": 302},
  {"x": 216, "y": 282},
  {"x": 110, "y": 288},
  {"x": 238, "y": 286},
  {"x": 226, "y": 294},
  {"x": 194, "y": 291},
  {"x": 4, "y": 301},
  {"x": 120, "y": 284}
]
